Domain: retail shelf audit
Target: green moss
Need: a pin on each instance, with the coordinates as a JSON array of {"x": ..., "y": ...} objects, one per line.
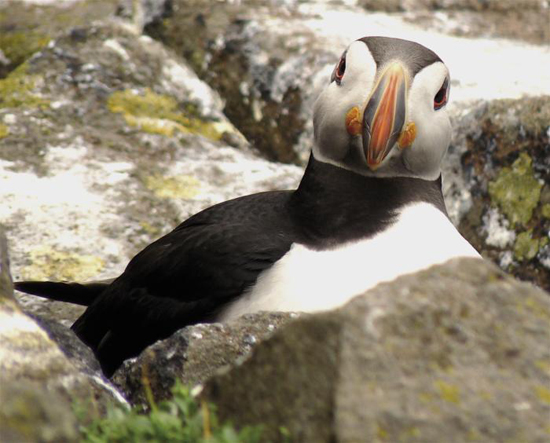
[
  {"x": 516, "y": 190},
  {"x": 546, "y": 210},
  {"x": 19, "y": 46},
  {"x": 181, "y": 419},
  {"x": 48, "y": 264},
  {"x": 526, "y": 247},
  {"x": 4, "y": 130},
  {"x": 184, "y": 186},
  {"x": 448, "y": 392},
  {"x": 16, "y": 90},
  {"x": 159, "y": 114}
]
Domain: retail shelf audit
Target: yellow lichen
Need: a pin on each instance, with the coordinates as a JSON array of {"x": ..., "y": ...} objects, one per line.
[
  {"x": 473, "y": 435},
  {"x": 50, "y": 264},
  {"x": 543, "y": 365},
  {"x": 381, "y": 433},
  {"x": 546, "y": 210},
  {"x": 149, "y": 228},
  {"x": 537, "y": 308},
  {"x": 448, "y": 392},
  {"x": 543, "y": 394},
  {"x": 183, "y": 186},
  {"x": 158, "y": 114},
  {"x": 526, "y": 247},
  {"x": 4, "y": 130},
  {"x": 19, "y": 46},
  {"x": 409, "y": 434},
  {"x": 516, "y": 190},
  {"x": 16, "y": 90}
]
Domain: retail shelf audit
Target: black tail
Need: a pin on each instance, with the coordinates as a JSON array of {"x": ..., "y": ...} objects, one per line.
[{"x": 76, "y": 293}]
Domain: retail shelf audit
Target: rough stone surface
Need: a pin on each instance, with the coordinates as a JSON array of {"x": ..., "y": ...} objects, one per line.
[
  {"x": 27, "y": 27},
  {"x": 29, "y": 412},
  {"x": 455, "y": 353},
  {"x": 80, "y": 355},
  {"x": 504, "y": 150},
  {"x": 38, "y": 384},
  {"x": 193, "y": 354}
]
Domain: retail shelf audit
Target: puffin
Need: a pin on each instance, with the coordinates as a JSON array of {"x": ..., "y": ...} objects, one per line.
[{"x": 368, "y": 209}]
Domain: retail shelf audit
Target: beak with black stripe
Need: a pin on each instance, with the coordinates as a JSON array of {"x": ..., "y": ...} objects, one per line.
[{"x": 383, "y": 112}]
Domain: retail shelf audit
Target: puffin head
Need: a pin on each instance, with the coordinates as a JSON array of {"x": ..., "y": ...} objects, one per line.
[{"x": 383, "y": 113}]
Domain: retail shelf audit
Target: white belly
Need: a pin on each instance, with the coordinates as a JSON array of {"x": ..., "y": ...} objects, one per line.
[{"x": 308, "y": 280}]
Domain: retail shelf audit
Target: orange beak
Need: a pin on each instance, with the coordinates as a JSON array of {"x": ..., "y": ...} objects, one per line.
[{"x": 384, "y": 115}]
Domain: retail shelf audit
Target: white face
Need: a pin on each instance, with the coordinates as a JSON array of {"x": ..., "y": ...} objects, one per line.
[{"x": 423, "y": 104}]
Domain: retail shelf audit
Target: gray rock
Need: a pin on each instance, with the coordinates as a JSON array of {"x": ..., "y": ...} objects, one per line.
[
  {"x": 193, "y": 354},
  {"x": 80, "y": 355},
  {"x": 27, "y": 27},
  {"x": 144, "y": 12},
  {"x": 38, "y": 384},
  {"x": 455, "y": 353},
  {"x": 29, "y": 412},
  {"x": 503, "y": 147}
]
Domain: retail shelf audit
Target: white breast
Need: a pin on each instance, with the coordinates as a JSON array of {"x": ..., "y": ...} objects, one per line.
[{"x": 310, "y": 280}]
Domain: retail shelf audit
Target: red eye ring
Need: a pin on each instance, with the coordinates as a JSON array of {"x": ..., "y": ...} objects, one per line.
[
  {"x": 442, "y": 95},
  {"x": 340, "y": 70}
]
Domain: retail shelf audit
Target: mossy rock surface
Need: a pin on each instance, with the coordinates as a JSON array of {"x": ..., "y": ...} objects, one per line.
[
  {"x": 508, "y": 174},
  {"x": 218, "y": 44}
]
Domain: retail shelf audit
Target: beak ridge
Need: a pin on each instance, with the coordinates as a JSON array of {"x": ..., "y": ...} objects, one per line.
[{"x": 384, "y": 115}]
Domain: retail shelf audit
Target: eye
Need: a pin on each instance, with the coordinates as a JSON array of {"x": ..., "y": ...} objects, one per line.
[
  {"x": 340, "y": 70},
  {"x": 442, "y": 95}
]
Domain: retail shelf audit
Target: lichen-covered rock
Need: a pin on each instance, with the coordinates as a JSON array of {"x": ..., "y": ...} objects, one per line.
[
  {"x": 456, "y": 353},
  {"x": 524, "y": 20},
  {"x": 111, "y": 141},
  {"x": 38, "y": 383},
  {"x": 506, "y": 167},
  {"x": 194, "y": 354},
  {"x": 29, "y": 412},
  {"x": 27, "y": 27}
]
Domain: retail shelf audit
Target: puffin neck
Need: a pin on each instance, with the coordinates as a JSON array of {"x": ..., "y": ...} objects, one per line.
[{"x": 335, "y": 205}]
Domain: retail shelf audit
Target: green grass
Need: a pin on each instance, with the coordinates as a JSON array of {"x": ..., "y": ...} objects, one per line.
[{"x": 181, "y": 419}]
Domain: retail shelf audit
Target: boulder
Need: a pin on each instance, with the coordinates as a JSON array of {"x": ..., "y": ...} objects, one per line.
[
  {"x": 459, "y": 352},
  {"x": 504, "y": 147},
  {"x": 193, "y": 354},
  {"x": 39, "y": 385}
]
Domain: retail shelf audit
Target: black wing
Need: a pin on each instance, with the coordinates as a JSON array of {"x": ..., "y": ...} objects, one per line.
[{"x": 187, "y": 276}]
